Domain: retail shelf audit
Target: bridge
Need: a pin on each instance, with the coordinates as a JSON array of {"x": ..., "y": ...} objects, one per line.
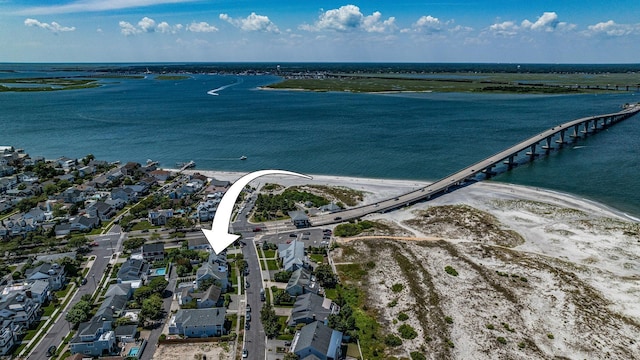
[{"x": 531, "y": 148}]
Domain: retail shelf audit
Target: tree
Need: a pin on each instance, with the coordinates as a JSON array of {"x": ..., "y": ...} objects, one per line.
[
  {"x": 269, "y": 321},
  {"x": 78, "y": 312},
  {"x": 325, "y": 276},
  {"x": 133, "y": 243},
  {"x": 87, "y": 159},
  {"x": 151, "y": 308},
  {"x": 158, "y": 284}
]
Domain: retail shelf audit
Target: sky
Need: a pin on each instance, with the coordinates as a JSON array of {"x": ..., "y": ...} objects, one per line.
[{"x": 491, "y": 31}]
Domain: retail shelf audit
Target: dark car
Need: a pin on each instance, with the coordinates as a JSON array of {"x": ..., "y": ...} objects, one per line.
[
  {"x": 293, "y": 235},
  {"x": 257, "y": 229},
  {"x": 337, "y": 218},
  {"x": 51, "y": 350},
  {"x": 84, "y": 281}
]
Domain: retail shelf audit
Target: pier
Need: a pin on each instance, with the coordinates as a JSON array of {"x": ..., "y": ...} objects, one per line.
[{"x": 531, "y": 148}]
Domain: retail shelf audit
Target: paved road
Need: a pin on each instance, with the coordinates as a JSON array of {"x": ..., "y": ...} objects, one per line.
[{"x": 60, "y": 328}]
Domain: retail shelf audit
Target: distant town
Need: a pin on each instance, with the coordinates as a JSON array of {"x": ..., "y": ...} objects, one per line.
[{"x": 103, "y": 259}]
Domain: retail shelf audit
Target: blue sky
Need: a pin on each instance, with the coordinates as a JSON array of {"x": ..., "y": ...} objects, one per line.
[{"x": 532, "y": 31}]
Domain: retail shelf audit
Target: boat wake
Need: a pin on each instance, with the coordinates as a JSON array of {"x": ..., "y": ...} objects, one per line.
[{"x": 215, "y": 91}]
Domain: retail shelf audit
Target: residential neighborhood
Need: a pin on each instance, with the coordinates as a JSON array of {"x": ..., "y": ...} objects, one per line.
[{"x": 111, "y": 258}]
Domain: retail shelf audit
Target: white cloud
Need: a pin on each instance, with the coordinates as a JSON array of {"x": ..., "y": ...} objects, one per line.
[
  {"x": 53, "y": 27},
  {"x": 127, "y": 29},
  {"x": 148, "y": 25},
  {"x": 610, "y": 28},
  {"x": 349, "y": 18},
  {"x": 201, "y": 27},
  {"x": 428, "y": 24},
  {"x": 505, "y": 28},
  {"x": 374, "y": 23},
  {"x": 547, "y": 22},
  {"x": 253, "y": 22}
]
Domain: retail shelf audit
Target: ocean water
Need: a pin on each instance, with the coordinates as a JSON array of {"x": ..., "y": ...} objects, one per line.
[{"x": 403, "y": 136}]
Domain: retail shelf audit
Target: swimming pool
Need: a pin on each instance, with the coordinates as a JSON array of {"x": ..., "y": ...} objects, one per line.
[
  {"x": 161, "y": 271},
  {"x": 133, "y": 351}
]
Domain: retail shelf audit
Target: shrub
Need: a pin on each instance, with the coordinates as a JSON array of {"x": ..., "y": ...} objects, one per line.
[
  {"x": 396, "y": 288},
  {"x": 393, "y": 303},
  {"x": 448, "y": 319},
  {"x": 407, "y": 332},
  {"x": 392, "y": 340},
  {"x": 450, "y": 270},
  {"x": 502, "y": 340},
  {"x": 417, "y": 356},
  {"x": 550, "y": 336},
  {"x": 490, "y": 326},
  {"x": 402, "y": 316},
  {"x": 521, "y": 345}
]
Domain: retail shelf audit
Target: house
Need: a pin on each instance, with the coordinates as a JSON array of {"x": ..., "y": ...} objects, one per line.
[
  {"x": 94, "y": 338},
  {"x": 311, "y": 307},
  {"x": 198, "y": 322},
  {"x": 84, "y": 223},
  {"x": 299, "y": 219},
  {"x": 208, "y": 299},
  {"x": 17, "y": 307},
  {"x": 62, "y": 229},
  {"x": 101, "y": 210},
  {"x": 53, "y": 273},
  {"x": 134, "y": 272},
  {"x": 8, "y": 336},
  {"x": 301, "y": 282},
  {"x": 153, "y": 252},
  {"x": 86, "y": 170},
  {"x": 130, "y": 168},
  {"x": 199, "y": 243},
  {"x": 125, "y": 194},
  {"x": 160, "y": 175},
  {"x": 112, "y": 307},
  {"x": 219, "y": 273},
  {"x": 39, "y": 291},
  {"x": 119, "y": 289},
  {"x": 292, "y": 255},
  {"x": 160, "y": 217},
  {"x": 126, "y": 333},
  {"x": 206, "y": 210},
  {"x": 317, "y": 341},
  {"x": 73, "y": 195}
]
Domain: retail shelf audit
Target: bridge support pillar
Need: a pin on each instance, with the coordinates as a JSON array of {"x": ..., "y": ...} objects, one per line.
[
  {"x": 547, "y": 146},
  {"x": 488, "y": 172},
  {"x": 509, "y": 162},
  {"x": 561, "y": 139},
  {"x": 586, "y": 127},
  {"x": 532, "y": 154},
  {"x": 575, "y": 131}
]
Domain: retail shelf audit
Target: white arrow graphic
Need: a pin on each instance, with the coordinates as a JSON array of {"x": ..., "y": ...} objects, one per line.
[{"x": 219, "y": 236}]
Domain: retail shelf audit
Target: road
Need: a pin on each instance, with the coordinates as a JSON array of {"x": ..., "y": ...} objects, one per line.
[{"x": 60, "y": 328}]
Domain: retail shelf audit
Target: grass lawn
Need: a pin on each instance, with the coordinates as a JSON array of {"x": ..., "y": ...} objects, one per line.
[
  {"x": 317, "y": 258},
  {"x": 269, "y": 254},
  {"x": 352, "y": 351},
  {"x": 62, "y": 293},
  {"x": 48, "y": 310},
  {"x": 273, "y": 265},
  {"x": 142, "y": 225}
]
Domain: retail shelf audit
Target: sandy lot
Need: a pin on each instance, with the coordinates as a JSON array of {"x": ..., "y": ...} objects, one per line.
[{"x": 192, "y": 352}]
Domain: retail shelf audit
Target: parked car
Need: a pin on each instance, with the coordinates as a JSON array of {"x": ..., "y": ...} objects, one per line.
[
  {"x": 293, "y": 235},
  {"x": 83, "y": 281},
  {"x": 337, "y": 218},
  {"x": 257, "y": 229},
  {"x": 245, "y": 353},
  {"x": 51, "y": 350},
  {"x": 94, "y": 244}
]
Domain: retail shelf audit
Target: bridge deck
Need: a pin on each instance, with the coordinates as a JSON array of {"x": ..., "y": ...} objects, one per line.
[{"x": 471, "y": 171}]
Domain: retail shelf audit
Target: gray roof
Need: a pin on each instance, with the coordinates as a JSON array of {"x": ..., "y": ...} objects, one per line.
[
  {"x": 310, "y": 307},
  {"x": 118, "y": 289},
  {"x": 300, "y": 277},
  {"x": 39, "y": 286},
  {"x": 319, "y": 337},
  {"x": 155, "y": 247},
  {"x": 298, "y": 216},
  {"x": 126, "y": 330},
  {"x": 132, "y": 269},
  {"x": 291, "y": 254},
  {"x": 201, "y": 317}
]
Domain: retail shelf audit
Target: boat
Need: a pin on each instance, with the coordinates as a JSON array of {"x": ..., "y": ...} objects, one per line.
[{"x": 243, "y": 157}]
